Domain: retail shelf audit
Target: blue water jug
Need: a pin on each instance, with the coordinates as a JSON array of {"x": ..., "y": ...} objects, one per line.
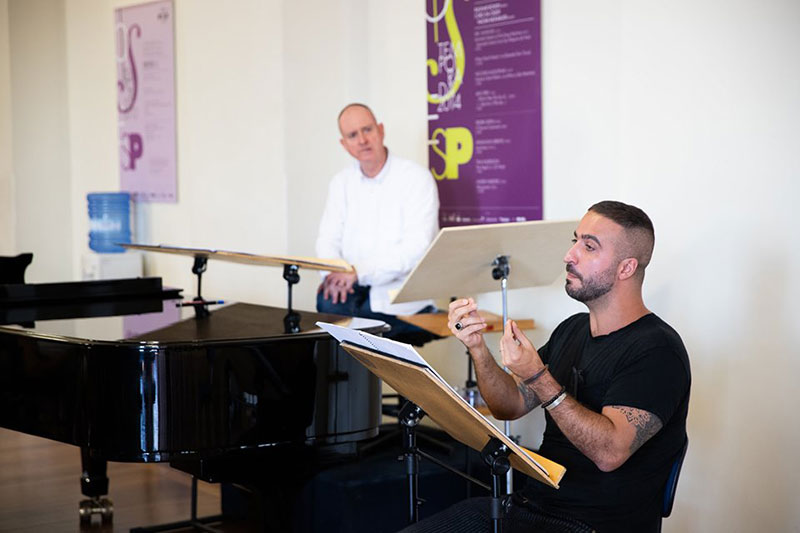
[{"x": 109, "y": 221}]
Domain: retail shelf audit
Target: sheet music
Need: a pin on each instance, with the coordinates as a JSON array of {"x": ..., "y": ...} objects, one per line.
[
  {"x": 343, "y": 334},
  {"x": 400, "y": 350}
]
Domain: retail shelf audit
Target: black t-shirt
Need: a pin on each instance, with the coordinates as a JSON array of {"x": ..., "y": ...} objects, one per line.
[{"x": 643, "y": 365}]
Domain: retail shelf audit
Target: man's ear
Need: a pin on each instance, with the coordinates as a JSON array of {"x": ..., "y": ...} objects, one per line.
[{"x": 627, "y": 268}]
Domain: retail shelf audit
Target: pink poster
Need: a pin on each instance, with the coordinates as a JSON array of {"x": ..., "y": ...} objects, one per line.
[{"x": 146, "y": 101}]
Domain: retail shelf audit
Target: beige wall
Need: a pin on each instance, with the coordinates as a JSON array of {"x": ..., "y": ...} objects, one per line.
[{"x": 689, "y": 109}]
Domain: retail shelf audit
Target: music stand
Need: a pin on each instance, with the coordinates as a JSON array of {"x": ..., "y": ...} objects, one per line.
[
  {"x": 291, "y": 266},
  {"x": 406, "y": 371},
  {"x": 467, "y": 260}
]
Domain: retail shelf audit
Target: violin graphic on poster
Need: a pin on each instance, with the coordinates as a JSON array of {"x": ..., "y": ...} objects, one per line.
[
  {"x": 454, "y": 144},
  {"x": 448, "y": 68},
  {"x": 130, "y": 144},
  {"x": 127, "y": 83}
]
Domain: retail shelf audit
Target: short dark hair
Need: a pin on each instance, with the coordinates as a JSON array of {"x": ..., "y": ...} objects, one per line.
[{"x": 638, "y": 227}]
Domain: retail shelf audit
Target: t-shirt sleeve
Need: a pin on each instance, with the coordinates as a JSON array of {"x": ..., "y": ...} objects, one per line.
[{"x": 654, "y": 380}]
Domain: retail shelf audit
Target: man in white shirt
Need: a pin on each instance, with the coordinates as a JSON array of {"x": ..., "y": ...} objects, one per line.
[{"x": 381, "y": 215}]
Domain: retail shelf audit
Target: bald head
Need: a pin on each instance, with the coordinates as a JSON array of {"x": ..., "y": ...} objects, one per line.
[
  {"x": 638, "y": 235},
  {"x": 346, "y": 108}
]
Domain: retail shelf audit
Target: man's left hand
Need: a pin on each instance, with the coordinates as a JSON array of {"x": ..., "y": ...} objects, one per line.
[
  {"x": 337, "y": 285},
  {"x": 519, "y": 355}
]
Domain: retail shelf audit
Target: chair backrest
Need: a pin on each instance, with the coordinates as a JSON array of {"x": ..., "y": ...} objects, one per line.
[
  {"x": 672, "y": 481},
  {"x": 12, "y": 269}
]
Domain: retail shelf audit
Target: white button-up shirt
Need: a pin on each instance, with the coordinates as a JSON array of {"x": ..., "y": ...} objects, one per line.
[{"x": 382, "y": 226}]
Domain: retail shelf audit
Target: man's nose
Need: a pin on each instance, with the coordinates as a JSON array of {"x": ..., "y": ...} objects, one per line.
[{"x": 569, "y": 257}]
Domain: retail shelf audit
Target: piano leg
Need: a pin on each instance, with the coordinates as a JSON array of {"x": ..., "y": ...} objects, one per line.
[{"x": 94, "y": 485}]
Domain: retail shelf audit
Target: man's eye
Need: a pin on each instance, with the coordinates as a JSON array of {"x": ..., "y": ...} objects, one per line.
[
  {"x": 574, "y": 241},
  {"x": 589, "y": 247}
]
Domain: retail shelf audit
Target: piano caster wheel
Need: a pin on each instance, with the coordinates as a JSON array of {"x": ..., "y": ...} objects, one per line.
[{"x": 96, "y": 506}]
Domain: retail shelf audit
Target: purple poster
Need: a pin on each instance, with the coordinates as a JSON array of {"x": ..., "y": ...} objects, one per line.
[
  {"x": 484, "y": 110},
  {"x": 146, "y": 101}
]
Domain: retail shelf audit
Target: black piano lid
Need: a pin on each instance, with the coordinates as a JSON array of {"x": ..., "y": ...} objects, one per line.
[
  {"x": 24, "y": 304},
  {"x": 235, "y": 322},
  {"x": 17, "y": 294},
  {"x": 140, "y": 310}
]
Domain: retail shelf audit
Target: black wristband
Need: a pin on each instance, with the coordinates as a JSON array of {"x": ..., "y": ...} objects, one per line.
[
  {"x": 536, "y": 376},
  {"x": 554, "y": 398}
]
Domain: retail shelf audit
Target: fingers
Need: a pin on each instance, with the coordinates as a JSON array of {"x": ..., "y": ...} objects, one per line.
[
  {"x": 458, "y": 310},
  {"x": 469, "y": 329},
  {"x": 339, "y": 295},
  {"x": 464, "y": 321},
  {"x": 523, "y": 340},
  {"x": 326, "y": 289},
  {"x": 508, "y": 330}
]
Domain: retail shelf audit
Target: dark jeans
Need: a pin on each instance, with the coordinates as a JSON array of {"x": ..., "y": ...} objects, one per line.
[
  {"x": 357, "y": 304},
  {"x": 472, "y": 516}
]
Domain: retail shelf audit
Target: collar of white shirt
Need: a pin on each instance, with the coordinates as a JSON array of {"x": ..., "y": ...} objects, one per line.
[{"x": 381, "y": 175}]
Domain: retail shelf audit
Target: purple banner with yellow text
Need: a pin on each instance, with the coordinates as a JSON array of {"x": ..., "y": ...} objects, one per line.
[
  {"x": 146, "y": 100},
  {"x": 484, "y": 109}
]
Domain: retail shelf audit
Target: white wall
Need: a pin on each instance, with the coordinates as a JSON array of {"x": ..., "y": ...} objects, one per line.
[
  {"x": 688, "y": 109},
  {"x": 40, "y": 141},
  {"x": 7, "y": 214}
]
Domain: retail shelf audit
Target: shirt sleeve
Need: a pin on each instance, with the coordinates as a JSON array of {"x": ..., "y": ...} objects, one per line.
[
  {"x": 655, "y": 381},
  {"x": 420, "y": 225}
]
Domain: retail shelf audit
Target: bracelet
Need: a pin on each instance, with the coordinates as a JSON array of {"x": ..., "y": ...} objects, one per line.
[
  {"x": 536, "y": 376},
  {"x": 560, "y": 399},
  {"x": 553, "y": 402}
]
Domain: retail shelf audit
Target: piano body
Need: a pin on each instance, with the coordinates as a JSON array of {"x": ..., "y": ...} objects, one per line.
[{"x": 224, "y": 397}]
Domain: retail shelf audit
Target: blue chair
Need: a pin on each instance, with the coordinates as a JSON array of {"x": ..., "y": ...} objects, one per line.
[{"x": 672, "y": 481}]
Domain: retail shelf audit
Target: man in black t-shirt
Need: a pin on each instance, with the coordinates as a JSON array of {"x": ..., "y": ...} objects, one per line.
[{"x": 615, "y": 384}]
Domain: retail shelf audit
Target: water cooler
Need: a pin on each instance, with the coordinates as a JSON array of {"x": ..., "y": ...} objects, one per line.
[{"x": 109, "y": 225}]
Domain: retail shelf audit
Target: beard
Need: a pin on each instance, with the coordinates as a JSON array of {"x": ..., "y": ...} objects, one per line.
[{"x": 591, "y": 288}]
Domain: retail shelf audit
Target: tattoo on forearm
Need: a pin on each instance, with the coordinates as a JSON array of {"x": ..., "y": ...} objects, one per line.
[
  {"x": 528, "y": 395},
  {"x": 645, "y": 423}
]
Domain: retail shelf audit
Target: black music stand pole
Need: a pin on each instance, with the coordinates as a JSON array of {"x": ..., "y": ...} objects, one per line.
[
  {"x": 291, "y": 322},
  {"x": 500, "y": 271},
  {"x": 495, "y": 454},
  {"x": 199, "y": 266},
  {"x": 410, "y": 416}
]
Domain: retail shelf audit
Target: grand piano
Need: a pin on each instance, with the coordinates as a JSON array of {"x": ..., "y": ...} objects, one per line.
[{"x": 116, "y": 369}]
